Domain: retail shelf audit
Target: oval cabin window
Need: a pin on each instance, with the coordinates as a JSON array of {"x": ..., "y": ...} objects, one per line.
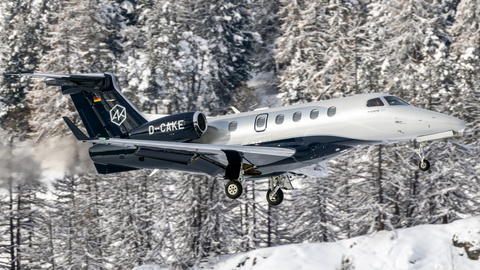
[
  {"x": 314, "y": 114},
  {"x": 297, "y": 116},
  {"x": 233, "y": 126},
  {"x": 332, "y": 111},
  {"x": 279, "y": 119}
]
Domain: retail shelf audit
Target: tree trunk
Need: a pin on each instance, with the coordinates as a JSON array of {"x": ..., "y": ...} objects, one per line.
[
  {"x": 381, "y": 225},
  {"x": 12, "y": 228}
]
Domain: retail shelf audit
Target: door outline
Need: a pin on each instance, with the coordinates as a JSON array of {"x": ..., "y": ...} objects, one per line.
[{"x": 264, "y": 127}]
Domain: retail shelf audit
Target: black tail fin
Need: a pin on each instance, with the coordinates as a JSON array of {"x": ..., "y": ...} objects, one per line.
[{"x": 104, "y": 110}]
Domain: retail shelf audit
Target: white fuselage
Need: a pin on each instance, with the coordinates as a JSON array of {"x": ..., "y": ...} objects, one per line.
[
  {"x": 320, "y": 131},
  {"x": 352, "y": 120}
]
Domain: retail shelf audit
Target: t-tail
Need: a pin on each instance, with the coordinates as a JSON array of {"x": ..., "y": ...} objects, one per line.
[{"x": 104, "y": 110}]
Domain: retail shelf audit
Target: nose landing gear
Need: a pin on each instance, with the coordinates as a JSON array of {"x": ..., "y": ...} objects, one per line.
[
  {"x": 424, "y": 164},
  {"x": 276, "y": 184}
]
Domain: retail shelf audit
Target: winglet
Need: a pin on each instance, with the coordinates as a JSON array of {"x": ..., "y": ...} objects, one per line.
[{"x": 75, "y": 130}]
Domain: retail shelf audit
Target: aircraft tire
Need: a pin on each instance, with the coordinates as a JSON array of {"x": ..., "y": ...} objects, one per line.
[
  {"x": 424, "y": 165},
  {"x": 278, "y": 198},
  {"x": 233, "y": 189}
]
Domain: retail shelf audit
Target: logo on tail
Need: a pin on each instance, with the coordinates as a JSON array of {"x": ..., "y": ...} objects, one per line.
[{"x": 118, "y": 114}]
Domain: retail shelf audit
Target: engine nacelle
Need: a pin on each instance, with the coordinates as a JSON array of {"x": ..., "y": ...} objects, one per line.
[{"x": 180, "y": 127}]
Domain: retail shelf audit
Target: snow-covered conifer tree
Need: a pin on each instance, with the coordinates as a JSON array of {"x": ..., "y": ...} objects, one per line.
[
  {"x": 226, "y": 25},
  {"x": 204, "y": 223},
  {"x": 80, "y": 238},
  {"x": 340, "y": 72},
  {"x": 314, "y": 211},
  {"x": 301, "y": 50},
  {"x": 139, "y": 219},
  {"x": 160, "y": 33},
  {"x": 466, "y": 54},
  {"x": 20, "y": 36},
  {"x": 267, "y": 25}
]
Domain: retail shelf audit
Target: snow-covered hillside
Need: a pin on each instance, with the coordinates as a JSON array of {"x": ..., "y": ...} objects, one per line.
[{"x": 422, "y": 247}]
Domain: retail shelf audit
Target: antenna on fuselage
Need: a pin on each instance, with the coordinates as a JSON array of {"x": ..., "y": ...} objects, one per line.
[{"x": 235, "y": 110}]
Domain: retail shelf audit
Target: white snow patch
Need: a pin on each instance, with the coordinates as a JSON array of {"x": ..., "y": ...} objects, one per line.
[{"x": 422, "y": 247}]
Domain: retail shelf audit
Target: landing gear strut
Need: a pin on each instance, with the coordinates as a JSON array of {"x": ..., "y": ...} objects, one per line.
[
  {"x": 424, "y": 164},
  {"x": 234, "y": 173}
]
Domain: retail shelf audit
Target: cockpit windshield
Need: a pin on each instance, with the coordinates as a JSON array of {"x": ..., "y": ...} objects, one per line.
[
  {"x": 376, "y": 102},
  {"x": 395, "y": 101}
]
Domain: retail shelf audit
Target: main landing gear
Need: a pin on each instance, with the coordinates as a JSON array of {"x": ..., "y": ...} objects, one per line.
[
  {"x": 424, "y": 164},
  {"x": 234, "y": 189}
]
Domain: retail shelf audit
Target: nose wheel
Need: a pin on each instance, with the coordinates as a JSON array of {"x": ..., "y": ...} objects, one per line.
[
  {"x": 424, "y": 164},
  {"x": 275, "y": 198}
]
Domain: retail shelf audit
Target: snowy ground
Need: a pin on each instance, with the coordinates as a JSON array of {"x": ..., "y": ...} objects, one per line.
[{"x": 422, "y": 247}]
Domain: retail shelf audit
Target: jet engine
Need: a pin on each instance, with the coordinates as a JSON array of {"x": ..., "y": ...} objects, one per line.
[{"x": 180, "y": 127}]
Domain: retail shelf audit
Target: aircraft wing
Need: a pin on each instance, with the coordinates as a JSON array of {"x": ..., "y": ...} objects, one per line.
[{"x": 255, "y": 154}]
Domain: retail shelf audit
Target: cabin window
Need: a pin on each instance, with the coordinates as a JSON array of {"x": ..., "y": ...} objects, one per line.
[
  {"x": 376, "y": 102},
  {"x": 314, "y": 114},
  {"x": 332, "y": 111},
  {"x": 395, "y": 101},
  {"x": 279, "y": 119},
  {"x": 261, "y": 122},
  {"x": 297, "y": 116},
  {"x": 233, "y": 126}
]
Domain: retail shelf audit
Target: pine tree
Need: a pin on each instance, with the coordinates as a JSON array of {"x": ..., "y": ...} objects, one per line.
[
  {"x": 131, "y": 62},
  {"x": 30, "y": 218},
  {"x": 466, "y": 54},
  {"x": 22, "y": 47},
  {"x": 140, "y": 218},
  {"x": 267, "y": 25},
  {"x": 314, "y": 211},
  {"x": 78, "y": 223},
  {"x": 301, "y": 50},
  {"x": 342, "y": 56}
]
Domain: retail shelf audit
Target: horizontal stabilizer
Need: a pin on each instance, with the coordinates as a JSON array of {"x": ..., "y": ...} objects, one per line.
[{"x": 75, "y": 130}]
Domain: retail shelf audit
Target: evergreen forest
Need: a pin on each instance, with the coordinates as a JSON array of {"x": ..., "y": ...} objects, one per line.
[{"x": 174, "y": 56}]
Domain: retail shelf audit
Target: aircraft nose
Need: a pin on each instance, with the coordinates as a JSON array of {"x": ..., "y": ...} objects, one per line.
[
  {"x": 440, "y": 121},
  {"x": 457, "y": 124}
]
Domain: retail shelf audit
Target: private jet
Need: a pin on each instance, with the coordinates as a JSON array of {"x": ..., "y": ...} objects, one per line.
[{"x": 267, "y": 143}]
